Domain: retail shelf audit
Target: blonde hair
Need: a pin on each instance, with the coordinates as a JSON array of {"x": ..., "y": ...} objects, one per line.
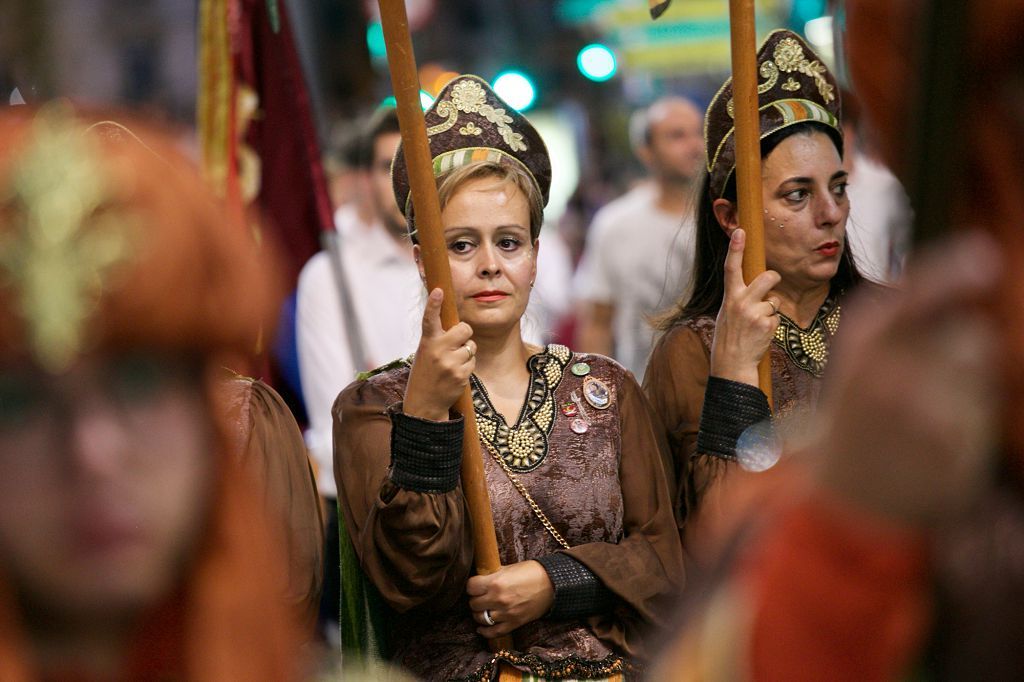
[{"x": 504, "y": 174}]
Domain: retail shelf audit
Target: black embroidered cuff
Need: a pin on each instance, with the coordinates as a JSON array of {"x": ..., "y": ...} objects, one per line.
[
  {"x": 578, "y": 592},
  {"x": 730, "y": 407},
  {"x": 425, "y": 455}
]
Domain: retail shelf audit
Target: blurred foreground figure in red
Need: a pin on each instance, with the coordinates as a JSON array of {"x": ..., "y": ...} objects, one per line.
[
  {"x": 132, "y": 545},
  {"x": 889, "y": 544}
]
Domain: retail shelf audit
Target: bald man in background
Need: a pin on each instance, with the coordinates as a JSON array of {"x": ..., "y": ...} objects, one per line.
[{"x": 640, "y": 247}]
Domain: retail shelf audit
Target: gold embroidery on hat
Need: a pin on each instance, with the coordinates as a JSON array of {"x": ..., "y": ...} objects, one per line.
[
  {"x": 62, "y": 249},
  {"x": 471, "y": 129},
  {"x": 770, "y": 73},
  {"x": 445, "y": 109},
  {"x": 468, "y": 96},
  {"x": 789, "y": 57}
]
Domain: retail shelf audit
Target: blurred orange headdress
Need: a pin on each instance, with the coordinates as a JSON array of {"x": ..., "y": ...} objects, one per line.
[{"x": 110, "y": 241}]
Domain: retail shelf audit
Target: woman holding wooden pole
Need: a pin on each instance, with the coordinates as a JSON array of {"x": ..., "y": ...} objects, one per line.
[
  {"x": 703, "y": 374},
  {"x": 572, "y": 465}
]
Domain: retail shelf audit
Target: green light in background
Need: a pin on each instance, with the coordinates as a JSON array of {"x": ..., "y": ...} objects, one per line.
[
  {"x": 390, "y": 102},
  {"x": 803, "y": 11},
  {"x": 578, "y": 11},
  {"x": 516, "y": 89},
  {"x": 596, "y": 62},
  {"x": 375, "y": 40}
]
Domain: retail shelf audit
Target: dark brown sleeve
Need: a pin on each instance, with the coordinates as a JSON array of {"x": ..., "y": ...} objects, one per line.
[
  {"x": 730, "y": 409},
  {"x": 270, "y": 447},
  {"x": 674, "y": 382},
  {"x": 413, "y": 542},
  {"x": 645, "y": 569}
]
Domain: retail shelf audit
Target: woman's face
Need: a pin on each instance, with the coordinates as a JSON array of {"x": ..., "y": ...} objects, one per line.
[
  {"x": 105, "y": 476},
  {"x": 493, "y": 262},
  {"x": 806, "y": 208}
]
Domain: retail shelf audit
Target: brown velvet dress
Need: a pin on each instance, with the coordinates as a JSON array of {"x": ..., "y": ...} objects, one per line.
[
  {"x": 605, "y": 490},
  {"x": 675, "y": 381}
]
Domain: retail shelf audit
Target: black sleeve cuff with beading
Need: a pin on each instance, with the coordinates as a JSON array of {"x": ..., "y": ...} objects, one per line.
[
  {"x": 730, "y": 408},
  {"x": 426, "y": 456},
  {"x": 578, "y": 592}
]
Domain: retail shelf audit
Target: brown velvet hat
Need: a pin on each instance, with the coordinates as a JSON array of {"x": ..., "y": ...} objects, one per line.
[
  {"x": 796, "y": 88},
  {"x": 468, "y": 122}
]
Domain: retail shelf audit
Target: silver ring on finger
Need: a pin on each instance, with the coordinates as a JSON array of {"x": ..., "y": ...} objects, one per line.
[
  {"x": 774, "y": 305},
  {"x": 469, "y": 349},
  {"x": 487, "y": 617}
]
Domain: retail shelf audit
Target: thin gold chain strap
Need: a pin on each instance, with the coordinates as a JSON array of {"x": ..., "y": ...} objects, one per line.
[{"x": 537, "y": 511}]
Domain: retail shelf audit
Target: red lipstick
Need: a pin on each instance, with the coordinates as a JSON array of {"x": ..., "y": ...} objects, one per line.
[
  {"x": 490, "y": 296},
  {"x": 828, "y": 249}
]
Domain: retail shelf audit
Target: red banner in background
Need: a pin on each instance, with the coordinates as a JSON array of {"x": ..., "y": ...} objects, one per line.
[{"x": 259, "y": 143}]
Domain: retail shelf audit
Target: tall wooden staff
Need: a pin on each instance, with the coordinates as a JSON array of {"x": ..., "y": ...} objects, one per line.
[
  {"x": 747, "y": 137},
  {"x": 743, "y": 39},
  {"x": 405, "y": 83}
]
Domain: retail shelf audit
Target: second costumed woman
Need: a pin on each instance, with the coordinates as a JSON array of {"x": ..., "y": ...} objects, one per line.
[
  {"x": 575, "y": 471},
  {"x": 702, "y": 376}
]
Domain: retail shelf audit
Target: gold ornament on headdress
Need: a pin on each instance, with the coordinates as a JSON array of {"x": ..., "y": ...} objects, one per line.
[
  {"x": 469, "y": 97},
  {"x": 789, "y": 57},
  {"x": 56, "y": 265}
]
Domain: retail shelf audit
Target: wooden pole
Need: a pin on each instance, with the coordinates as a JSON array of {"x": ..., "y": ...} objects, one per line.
[
  {"x": 743, "y": 38},
  {"x": 406, "y": 86}
]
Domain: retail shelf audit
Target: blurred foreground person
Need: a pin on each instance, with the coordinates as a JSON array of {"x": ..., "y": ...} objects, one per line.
[
  {"x": 132, "y": 544},
  {"x": 895, "y": 549}
]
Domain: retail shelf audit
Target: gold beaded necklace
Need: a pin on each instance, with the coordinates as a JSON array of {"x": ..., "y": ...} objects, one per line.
[
  {"x": 524, "y": 445},
  {"x": 808, "y": 348}
]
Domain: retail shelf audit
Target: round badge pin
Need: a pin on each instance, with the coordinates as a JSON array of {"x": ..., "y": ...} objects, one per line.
[
  {"x": 580, "y": 369},
  {"x": 579, "y": 425},
  {"x": 569, "y": 409},
  {"x": 596, "y": 393}
]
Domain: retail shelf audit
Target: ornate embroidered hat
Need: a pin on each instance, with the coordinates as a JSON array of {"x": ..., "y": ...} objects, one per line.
[
  {"x": 468, "y": 122},
  {"x": 796, "y": 88}
]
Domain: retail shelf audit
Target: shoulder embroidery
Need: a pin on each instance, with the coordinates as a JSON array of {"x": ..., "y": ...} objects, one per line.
[{"x": 400, "y": 362}]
